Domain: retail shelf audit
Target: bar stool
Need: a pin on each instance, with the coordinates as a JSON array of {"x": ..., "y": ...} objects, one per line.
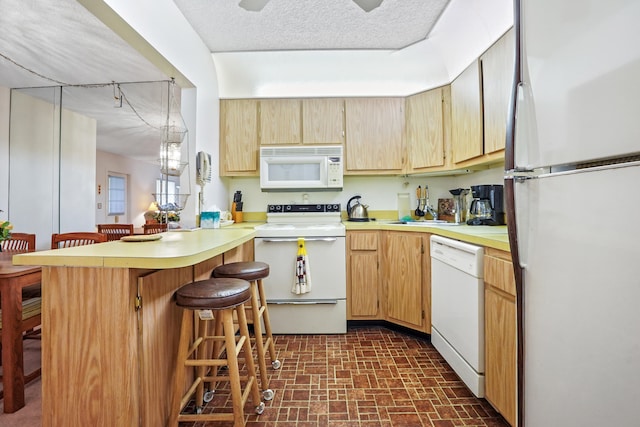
[
  {"x": 221, "y": 298},
  {"x": 254, "y": 272}
]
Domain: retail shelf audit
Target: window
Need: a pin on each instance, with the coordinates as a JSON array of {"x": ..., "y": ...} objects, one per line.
[{"x": 117, "y": 194}]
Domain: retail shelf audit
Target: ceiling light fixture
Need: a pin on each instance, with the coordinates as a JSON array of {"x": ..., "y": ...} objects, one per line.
[
  {"x": 368, "y": 5},
  {"x": 253, "y": 5}
]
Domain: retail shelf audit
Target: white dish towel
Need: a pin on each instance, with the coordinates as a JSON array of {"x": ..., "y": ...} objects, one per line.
[{"x": 302, "y": 279}]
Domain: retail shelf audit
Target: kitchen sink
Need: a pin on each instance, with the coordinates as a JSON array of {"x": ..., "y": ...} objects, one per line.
[{"x": 425, "y": 223}]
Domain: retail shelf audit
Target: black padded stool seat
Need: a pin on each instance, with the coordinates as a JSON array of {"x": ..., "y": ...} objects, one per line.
[
  {"x": 213, "y": 294},
  {"x": 248, "y": 270}
]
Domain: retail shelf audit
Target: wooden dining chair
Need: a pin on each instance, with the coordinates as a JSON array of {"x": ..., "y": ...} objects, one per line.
[
  {"x": 115, "y": 231},
  {"x": 81, "y": 238},
  {"x": 19, "y": 243},
  {"x": 154, "y": 228}
]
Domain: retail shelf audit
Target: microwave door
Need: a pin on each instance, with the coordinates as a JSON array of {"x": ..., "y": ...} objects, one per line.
[{"x": 293, "y": 173}]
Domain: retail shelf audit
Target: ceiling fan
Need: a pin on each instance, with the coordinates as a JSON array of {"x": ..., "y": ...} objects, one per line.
[{"x": 258, "y": 5}]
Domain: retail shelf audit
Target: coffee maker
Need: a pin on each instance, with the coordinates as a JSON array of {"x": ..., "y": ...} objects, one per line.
[{"x": 487, "y": 207}]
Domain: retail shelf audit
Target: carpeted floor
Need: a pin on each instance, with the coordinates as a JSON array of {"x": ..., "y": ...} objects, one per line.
[{"x": 31, "y": 414}]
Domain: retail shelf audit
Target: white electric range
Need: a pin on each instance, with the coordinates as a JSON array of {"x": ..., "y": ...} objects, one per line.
[{"x": 323, "y": 309}]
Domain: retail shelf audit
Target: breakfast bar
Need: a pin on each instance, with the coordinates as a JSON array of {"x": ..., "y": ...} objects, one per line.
[{"x": 109, "y": 325}]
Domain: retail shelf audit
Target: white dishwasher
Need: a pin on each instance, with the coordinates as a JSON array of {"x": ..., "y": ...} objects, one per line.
[{"x": 457, "y": 308}]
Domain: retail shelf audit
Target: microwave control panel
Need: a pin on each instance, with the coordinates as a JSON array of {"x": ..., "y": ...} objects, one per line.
[{"x": 334, "y": 172}]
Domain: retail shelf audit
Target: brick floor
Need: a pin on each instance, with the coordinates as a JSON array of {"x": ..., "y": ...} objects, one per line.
[{"x": 369, "y": 377}]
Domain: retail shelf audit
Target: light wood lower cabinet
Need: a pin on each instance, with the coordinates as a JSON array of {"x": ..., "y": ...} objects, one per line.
[
  {"x": 500, "y": 333},
  {"x": 362, "y": 275},
  {"x": 406, "y": 279},
  {"x": 389, "y": 278}
]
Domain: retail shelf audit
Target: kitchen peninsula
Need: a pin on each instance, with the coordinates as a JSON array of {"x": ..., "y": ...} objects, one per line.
[{"x": 110, "y": 327}]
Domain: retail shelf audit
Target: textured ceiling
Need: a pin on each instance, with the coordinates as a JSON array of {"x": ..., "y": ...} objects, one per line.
[{"x": 311, "y": 24}]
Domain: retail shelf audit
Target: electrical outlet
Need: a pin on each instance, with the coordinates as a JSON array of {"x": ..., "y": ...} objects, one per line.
[{"x": 99, "y": 205}]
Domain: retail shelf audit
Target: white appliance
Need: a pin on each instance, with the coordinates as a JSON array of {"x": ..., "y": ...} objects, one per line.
[
  {"x": 323, "y": 310},
  {"x": 297, "y": 168},
  {"x": 572, "y": 173},
  {"x": 457, "y": 313}
]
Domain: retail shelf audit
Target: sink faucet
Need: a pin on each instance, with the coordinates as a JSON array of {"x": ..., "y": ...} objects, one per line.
[
  {"x": 432, "y": 212},
  {"x": 423, "y": 203}
]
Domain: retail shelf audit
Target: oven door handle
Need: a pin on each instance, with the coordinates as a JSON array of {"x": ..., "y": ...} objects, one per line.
[
  {"x": 304, "y": 302},
  {"x": 294, "y": 239}
]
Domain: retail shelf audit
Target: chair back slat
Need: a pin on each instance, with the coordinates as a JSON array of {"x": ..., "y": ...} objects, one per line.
[
  {"x": 19, "y": 243},
  {"x": 115, "y": 231},
  {"x": 154, "y": 228},
  {"x": 68, "y": 240}
]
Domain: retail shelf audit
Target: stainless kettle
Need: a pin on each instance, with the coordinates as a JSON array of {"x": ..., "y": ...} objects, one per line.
[{"x": 357, "y": 212}]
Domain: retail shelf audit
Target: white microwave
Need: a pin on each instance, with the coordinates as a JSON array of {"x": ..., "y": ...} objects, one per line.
[{"x": 301, "y": 168}]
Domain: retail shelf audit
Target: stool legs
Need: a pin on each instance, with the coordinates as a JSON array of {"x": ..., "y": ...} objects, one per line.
[
  {"x": 259, "y": 311},
  {"x": 275, "y": 363},
  {"x": 232, "y": 349}
]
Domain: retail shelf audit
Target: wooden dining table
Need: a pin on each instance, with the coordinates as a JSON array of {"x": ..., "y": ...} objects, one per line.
[{"x": 13, "y": 278}]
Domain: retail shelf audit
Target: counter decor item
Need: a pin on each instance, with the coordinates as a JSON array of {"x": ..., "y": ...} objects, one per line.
[{"x": 210, "y": 219}]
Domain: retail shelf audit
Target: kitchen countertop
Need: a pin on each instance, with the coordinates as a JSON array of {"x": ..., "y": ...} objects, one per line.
[
  {"x": 174, "y": 250},
  {"x": 489, "y": 236}
]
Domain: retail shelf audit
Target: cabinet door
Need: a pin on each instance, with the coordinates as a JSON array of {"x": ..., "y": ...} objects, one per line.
[
  {"x": 374, "y": 142},
  {"x": 323, "y": 121},
  {"x": 500, "y": 353},
  {"x": 280, "y": 121},
  {"x": 500, "y": 333},
  {"x": 424, "y": 130},
  {"x": 159, "y": 324},
  {"x": 402, "y": 266},
  {"x": 466, "y": 114},
  {"x": 362, "y": 275},
  {"x": 238, "y": 137},
  {"x": 497, "y": 78}
]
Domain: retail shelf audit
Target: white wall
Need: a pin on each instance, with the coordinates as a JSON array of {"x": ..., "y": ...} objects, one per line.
[{"x": 141, "y": 177}]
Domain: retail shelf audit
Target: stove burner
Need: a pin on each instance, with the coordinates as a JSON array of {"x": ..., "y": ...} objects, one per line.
[{"x": 332, "y": 207}]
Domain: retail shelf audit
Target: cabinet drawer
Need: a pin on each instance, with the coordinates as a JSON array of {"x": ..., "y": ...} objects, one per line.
[
  {"x": 363, "y": 240},
  {"x": 498, "y": 272}
]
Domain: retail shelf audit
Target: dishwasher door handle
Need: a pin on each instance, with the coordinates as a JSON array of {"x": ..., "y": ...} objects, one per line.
[{"x": 295, "y": 239}]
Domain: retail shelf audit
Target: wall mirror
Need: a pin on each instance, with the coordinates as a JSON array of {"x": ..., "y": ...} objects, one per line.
[{"x": 65, "y": 141}]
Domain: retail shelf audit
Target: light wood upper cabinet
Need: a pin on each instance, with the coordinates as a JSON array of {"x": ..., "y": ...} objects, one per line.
[
  {"x": 466, "y": 114},
  {"x": 497, "y": 81},
  {"x": 424, "y": 130},
  {"x": 374, "y": 141},
  {"x": 238, "y": 137},
  {"x": 362, "y": 275},
  {"x": 500, "y": 333},
  {"x": 280, "y": 121},
  {"x": 323, "y": 121},
  {"x": 402, "y": 272}
]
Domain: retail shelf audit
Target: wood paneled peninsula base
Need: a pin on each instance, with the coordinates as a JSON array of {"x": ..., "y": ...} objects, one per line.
[{"x": 110, "y": 328}]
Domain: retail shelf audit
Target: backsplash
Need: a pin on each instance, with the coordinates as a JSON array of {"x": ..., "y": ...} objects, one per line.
[{"x": 379, "y": 192}]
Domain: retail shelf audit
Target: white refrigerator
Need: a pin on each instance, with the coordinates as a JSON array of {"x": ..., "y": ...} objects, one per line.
[{"x": 572, "y": 185}]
